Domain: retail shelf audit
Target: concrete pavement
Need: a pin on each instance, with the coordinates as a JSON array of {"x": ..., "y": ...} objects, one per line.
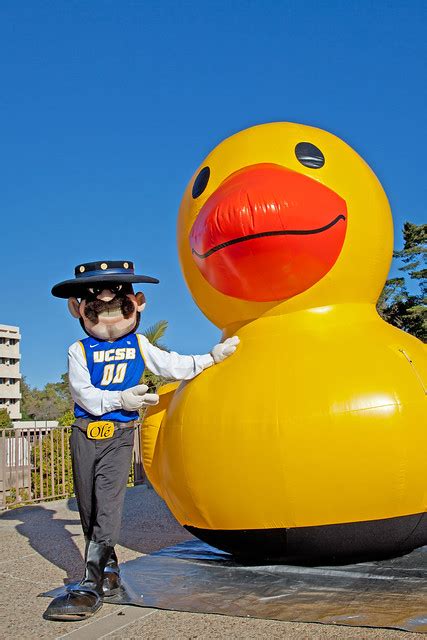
[{"x": 42, "y": 548}]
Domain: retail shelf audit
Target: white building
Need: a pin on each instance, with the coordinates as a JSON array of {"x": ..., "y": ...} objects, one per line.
[{"x": 10, "y": 392}]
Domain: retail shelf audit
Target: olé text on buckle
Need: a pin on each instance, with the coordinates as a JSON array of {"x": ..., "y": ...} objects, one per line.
[{"x": 100, "y": 430}]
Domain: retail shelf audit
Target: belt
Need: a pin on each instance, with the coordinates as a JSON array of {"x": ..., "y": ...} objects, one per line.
[{"x": 83, "y": 423}]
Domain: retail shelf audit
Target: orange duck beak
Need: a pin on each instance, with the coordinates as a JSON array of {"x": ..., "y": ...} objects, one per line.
[{"x": 268, "y": 233}]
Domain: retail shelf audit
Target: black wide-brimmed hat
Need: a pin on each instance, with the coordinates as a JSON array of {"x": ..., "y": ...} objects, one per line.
[{"x": 108, "y": 271}]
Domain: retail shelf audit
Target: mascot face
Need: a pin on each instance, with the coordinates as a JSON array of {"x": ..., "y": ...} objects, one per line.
[{"x": 108, "y": 311}]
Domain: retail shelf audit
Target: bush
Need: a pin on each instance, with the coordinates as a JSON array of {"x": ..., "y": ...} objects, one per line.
[
  {"x": 52, "y": 474},
  {"x": 5, "y": 421}
]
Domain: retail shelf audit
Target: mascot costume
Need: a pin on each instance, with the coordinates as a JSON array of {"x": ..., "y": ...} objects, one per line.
[{"x": 105, "y": 370}]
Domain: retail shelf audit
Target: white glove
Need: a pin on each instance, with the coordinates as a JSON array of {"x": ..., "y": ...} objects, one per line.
[
  {"x": 137, "y": 397},
  {"x": 221, "y": 351}
]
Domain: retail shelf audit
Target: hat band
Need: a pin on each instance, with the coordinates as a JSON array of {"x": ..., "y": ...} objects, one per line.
[{"x": 104, "y": 272}]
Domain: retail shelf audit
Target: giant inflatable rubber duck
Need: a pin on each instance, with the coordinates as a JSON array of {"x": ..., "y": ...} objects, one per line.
[{"x": 311, "y": 441}]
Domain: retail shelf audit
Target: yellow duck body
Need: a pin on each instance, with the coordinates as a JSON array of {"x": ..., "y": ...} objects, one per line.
[{"x": 310, "y": 440}]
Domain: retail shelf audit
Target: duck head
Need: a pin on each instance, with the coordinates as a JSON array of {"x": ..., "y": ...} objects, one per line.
[{"x": 283, "y": 217}]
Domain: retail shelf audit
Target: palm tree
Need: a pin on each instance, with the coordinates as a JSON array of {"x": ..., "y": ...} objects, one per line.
[{"x": 154, "y": 334}]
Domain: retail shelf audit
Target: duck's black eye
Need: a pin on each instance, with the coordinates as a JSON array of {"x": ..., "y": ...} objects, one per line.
[
  {"x": 201, "y": 182},
  {"x": 309, "y": 155}
]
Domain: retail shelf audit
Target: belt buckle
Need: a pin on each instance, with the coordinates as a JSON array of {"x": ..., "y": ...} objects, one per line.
[{"x": 100, "y": 430}]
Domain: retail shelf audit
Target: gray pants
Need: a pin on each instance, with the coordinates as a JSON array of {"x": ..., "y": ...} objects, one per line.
[{"x": 100, "y": 472}]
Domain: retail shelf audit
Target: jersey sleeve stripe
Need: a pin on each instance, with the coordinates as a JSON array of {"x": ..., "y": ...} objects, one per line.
[
  {"x": 138, "y": 337},
  {"x": 83, "y": 349}
]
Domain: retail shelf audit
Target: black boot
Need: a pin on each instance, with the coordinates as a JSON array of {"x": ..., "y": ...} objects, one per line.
[
  {"x": 112, "y": 583},
  {"x": 86, "y": 598}
]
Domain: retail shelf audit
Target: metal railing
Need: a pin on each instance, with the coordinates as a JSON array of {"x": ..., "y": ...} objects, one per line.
[{"x": 35, "y": 465}]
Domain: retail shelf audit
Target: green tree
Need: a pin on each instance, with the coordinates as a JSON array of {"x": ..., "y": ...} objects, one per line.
[
  {"x": 26, "y": 393},
  {"x": 5, "y": 421},
  {"x": 401, "y": 308},
  {"x": 49, "y": 403},
  {"x": 155, "y": 334},
  {"x": 67, "y": 419}
]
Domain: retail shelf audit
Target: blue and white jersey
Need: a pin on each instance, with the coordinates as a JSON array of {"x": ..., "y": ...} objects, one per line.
[
  {"x": 113, "y": 366},
  {"x": 99, "y": 371}
]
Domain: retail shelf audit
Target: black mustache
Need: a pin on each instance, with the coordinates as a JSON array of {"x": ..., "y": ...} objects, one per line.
[{"x": 94, "y": 307}]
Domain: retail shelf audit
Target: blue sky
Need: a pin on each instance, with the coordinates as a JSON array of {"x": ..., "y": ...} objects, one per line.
[{"x": 107, "y": 108}]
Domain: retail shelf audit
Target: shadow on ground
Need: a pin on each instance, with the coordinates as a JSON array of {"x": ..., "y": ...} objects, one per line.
[
  {"x": 48, "y": 535},
  {"x": 147, "y": 526}
]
